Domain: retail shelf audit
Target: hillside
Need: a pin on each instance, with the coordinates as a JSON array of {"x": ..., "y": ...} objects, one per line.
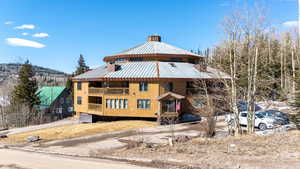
[{"x": 44, "y": 76}]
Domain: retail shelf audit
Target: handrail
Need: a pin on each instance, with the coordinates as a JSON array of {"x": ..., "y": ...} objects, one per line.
[{"x": 95, "y": 107}]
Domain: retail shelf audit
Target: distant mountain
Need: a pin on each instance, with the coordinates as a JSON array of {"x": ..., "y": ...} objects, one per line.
[{"x": 44, "y": 76}]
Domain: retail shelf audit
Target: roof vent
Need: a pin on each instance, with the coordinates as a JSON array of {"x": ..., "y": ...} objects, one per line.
[
  {"x": 154, "y": 38},
  {"x": 172, "y": 64}
]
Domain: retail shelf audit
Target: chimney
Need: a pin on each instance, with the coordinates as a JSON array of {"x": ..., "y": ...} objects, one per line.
[
  {"x": 154, "y": 38},
  {"x": 112, "y": 67}
]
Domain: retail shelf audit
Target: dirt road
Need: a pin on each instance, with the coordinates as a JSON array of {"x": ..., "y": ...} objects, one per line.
[{"x": 29, "y": 160}]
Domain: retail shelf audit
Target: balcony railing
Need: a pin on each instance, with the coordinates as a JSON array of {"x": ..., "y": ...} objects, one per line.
[
  {"x": 108, "y": 90},
  {"x": 95, "y": 107}
]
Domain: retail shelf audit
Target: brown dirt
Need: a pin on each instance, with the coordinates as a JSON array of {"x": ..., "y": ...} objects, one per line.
[{"x": 277, "y": 151}]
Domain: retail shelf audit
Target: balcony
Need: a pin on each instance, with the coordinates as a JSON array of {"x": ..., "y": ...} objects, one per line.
[
  {"x": 95, "y": 107},
  {"x": 124, "y": 91}
]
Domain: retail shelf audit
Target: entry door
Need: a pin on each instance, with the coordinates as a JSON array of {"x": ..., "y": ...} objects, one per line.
[{"x": 169, "y": 106}]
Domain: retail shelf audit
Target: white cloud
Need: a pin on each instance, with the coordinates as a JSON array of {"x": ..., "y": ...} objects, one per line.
[
  {"x": 8, "y": 22},
  {"x": 290, "y": 24},
  {"x": 24, "y": 42},
  {"x": 40, "y": 35},
  {"x": 30, "y": 26},
  {"x": 25, "y": 33}
]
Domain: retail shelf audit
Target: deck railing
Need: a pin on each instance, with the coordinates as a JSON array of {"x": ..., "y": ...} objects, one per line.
[
  {"x": 95, "y": 107},
  {"x": 108, "y": 90}
]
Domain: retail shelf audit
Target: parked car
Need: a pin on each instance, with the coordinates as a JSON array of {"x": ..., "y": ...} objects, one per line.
[
  {"x": 188, "y": 117},
  {"x": 242, "y": 106},
  {"x": 278, "y": 115},
  {"x": 260, "y": 121}
]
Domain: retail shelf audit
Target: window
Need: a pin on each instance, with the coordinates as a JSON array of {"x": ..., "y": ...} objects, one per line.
[
  {"x": 189, "y": 84},
  {"x": 244, "y": 114},
  {"x": 62, "y": 100},
  {"x": 120, "y": 60},
  {"x": 70, "y": 109},
  {"x": 116, "y": 103},
  {"x": 113, "y": 104},
  {"x": 176, "y": 60},
  {"x": 95, "y": 84},
  {"x": 121, "y": 104},
  {"x": 95, "y": 100},
  {"x": 143, "y": 86},
  {"x": 169, "y": 86},
  {"x": 79, "y": 100},
  {"x": 78, "y": 85},
  {"x": 143, "y": 104},
  {"x": 108, "y": 104},
  {"x": 136, "y": 59},
  {"x": 169, "y": 106},
  {"x": 125, "y": 103}
]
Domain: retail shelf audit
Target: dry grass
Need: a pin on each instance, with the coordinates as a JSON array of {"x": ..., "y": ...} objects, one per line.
[
  {"x": 279, "y": 150},
  {"x": 76, "y": 130}
]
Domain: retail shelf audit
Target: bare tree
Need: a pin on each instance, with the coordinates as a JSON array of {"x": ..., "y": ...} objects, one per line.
[{"x": 208, "y": 98}]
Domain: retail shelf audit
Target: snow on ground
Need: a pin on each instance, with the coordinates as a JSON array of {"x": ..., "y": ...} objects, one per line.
[
  {"x": 275, "y": 105},
  {"x": 4, "y": 100}
]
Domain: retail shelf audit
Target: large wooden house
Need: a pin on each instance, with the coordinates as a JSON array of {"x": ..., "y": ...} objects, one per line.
[{"x": 149, "y": 80}]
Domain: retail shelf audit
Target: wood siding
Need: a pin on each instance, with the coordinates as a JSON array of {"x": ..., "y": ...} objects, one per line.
[{"x": 134, "y": 94}]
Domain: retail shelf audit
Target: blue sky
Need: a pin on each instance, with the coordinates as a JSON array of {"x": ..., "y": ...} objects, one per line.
[{"x": 52, "y": 33}]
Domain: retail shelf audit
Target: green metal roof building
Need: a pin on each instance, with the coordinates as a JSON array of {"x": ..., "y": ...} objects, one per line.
[{"x": 48, "y": 94}]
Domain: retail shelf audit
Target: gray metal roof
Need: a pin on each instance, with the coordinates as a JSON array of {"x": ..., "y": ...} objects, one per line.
[
  {"x": 95, "y": 73},
  {"x": 154, "y": 47},
  {"x": 135, "y": 70},
  {"x": 154, "y": 69},
  {"x": 180, "y": 70}
]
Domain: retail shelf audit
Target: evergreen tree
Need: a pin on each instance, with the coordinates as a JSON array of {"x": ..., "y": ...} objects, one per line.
[
  {"x": 82, "y": 67},
  {"x": 25, "y": 92}
]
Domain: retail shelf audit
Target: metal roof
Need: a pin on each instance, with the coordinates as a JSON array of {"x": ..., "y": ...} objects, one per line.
[
  {"x": 95, "y": 73},
  {"x": 135, "y": 70},
  {"x": 48, "y": 94},
  {"x": 172, "y": 94},
  {"x": 153, "y": 69},
  {"x": 154, "y": 47},
  {"x": 180, "y": 70}
]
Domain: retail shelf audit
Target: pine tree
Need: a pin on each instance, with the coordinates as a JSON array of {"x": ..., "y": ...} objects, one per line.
[
  {"x": 25, "y": 92},
  {"x": 82, "y": 67}
]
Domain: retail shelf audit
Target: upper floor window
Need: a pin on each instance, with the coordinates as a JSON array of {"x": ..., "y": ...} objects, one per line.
[
  {"x": 120, "y": 60},
  {"x": 169, "y": 86},
  {"x": 143, "y": 86},
  {"x": 143, "y": 104},
  {"x": 176, "y": 60},
  {"x": 136, "y": 59},
  {"x": 79, "y": 100},
  {"x": 189, "y": 84},
  {"x": 79, "y": 85}
]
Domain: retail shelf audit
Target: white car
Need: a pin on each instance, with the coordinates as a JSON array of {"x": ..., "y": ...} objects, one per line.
[{"x": 260, "y": 121}]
